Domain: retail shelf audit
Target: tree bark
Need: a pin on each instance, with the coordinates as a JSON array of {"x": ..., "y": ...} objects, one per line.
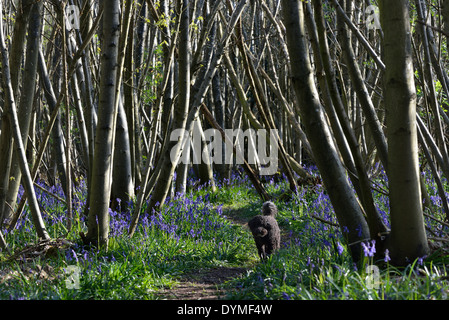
[
  {"x": 122, "y": 179},
  {"x": 182, "y": 107},
  {"x": 122, "y": 186},
  {"x": 6, "y": 139},
  {"x": 100, "y": 191},
  {"x": 347, "y": 209},
  {"x": 408, "y": 239},
  {"x": 26, "y": 101},
  {"x": 445, "y": 16},
  {"x": 18, "y": 144},
  {"x": 376, "y": 225}
]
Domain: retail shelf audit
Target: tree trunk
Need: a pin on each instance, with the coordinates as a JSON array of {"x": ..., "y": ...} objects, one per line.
[
  {"x": 58, "y": 145},
  {"x": 376, "y": 225},
  {"x": 6, "y": 140},
  {"x": 180, "y": 114},
  {"x": 362, "y": 92},
  {"x": 122, "y": 177},
  {"x": 445, "y": 16},
  {"x": 100, "y": 191},
  {"x": 347, "y": 209},
  {"x": 26, "y": 102},
  {"x": 122, "y": 186},
  {"x": 220, "y": 116},
  {"x": 18, "y": 145},
  {"x": 408, "y": 239},
  {"x": 205, "y": 171}
]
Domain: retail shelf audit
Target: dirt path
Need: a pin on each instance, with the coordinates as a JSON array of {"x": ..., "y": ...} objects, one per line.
[{"x": 202, "y": 284}]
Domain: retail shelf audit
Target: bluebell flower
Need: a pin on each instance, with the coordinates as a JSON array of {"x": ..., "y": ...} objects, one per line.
[
  {"x": 387, "y": 256},
  {"x": 74, "y": 255},
  {"x": 285, "y": 296},
  {"x": 310, "y": 263},
  {"x": 368, "y": 250},
  {"x": 340, "y": 248},
  {"x": 421, "y": 260}
]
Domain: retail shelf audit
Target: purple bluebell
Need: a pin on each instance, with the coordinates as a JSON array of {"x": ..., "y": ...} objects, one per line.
[{"x": 369, "y": 250}]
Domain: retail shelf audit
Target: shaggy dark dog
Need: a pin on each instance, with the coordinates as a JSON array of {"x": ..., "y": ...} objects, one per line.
[{"x": 265, "y": 230}]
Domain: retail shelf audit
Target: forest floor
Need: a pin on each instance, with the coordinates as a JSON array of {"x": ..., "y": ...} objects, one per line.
[
  {"x": 200, "y": 248},
  {"x": 206, "y": 284},
  {"x": 202, "y": 284}
]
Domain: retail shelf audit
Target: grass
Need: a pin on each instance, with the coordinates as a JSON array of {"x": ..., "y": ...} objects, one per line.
[
  {"x": 191, "y": 233},
  {"x": 197, "y": 232}
]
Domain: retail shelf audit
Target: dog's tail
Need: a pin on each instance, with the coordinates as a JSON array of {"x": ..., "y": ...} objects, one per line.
[{"x": 260, "y": 232}]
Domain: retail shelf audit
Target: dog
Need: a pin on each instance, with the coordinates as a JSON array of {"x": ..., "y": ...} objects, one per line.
[{"x": 265, "y": 230}]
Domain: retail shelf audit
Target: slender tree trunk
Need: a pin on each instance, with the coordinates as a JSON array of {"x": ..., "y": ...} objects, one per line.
[
  {"x": 130, "y": 101},
  {"x": 428, "y": 78},
  {"x": 205, "y": 171},
  {"x": 122, "y": 186},
  {"x": 408, "y": 239},
  {"x": 347, "y": 209},
  {"x": 6, "y": 139},
  {"x": 220, "y": 116},
  {"x": 98, "y": 219},
  {"x": 182, "y": 170},
  {"x": 122, "y": 180},
  {"x": 26, "y": 101},
  {"x": 68, "y": 149},
  {"x": 59, "y": 145},
  {"x": 180, "y": 114},
  {"x": 445, "y": 16},
  {"x": 81, "y": 98},
  {"x": 6, "y": 150},
  {"x": 376, "y": 225},
  {"x": 362, "y": 93},
  {"x": 18, "y": 145}
]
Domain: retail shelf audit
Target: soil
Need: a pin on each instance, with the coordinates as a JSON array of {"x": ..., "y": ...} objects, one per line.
[{"x": 202, "y": 284}]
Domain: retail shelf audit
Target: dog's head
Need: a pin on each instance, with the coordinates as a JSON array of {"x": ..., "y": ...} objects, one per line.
[{"x": 269, "y": 209}]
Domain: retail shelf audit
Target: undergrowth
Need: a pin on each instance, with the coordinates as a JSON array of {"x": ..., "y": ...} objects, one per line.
[{"x": 200, "y": 231}]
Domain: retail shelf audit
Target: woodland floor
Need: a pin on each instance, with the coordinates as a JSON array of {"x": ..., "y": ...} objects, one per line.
[
  {"x": 202, "y": 284},
  {"x": 205, "y": 284}
]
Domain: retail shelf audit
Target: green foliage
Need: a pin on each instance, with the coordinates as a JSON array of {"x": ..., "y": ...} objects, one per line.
[
  {"x": 204, "y": 230},
  {"x": 314, "y": 264},
  {"x": 189, "y": 234}
]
